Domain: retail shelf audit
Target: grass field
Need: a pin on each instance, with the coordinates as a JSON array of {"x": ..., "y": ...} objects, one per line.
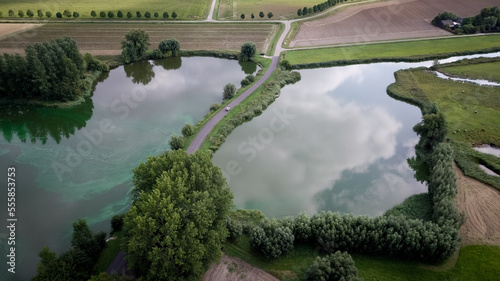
[
  {"x": 185, "y": 9},
  {"x": 105, "y": 38},
  {"x": 474, "y": 263},
  {"x": 109, "y": 253},
  {"x": 488, "y": 70},
  {"x": 395, "y": 50},
  {"x": 472, "y": 113},
  {"x": 281, "y": 9}
]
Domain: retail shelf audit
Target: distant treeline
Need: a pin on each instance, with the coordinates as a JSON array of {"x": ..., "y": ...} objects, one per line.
[
  {"x": 50, "y": 71},
  {"x": 488, "y": 20},
  {"x": 102, "y": 14},
  {"x": 319, "y": 7}
]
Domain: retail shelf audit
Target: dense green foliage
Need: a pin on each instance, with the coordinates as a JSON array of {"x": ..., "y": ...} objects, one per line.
[
  {"x": 417, "y": 206},
  {"x": 117, "y": 223},
  {"x": 234, "y": 228},
  {"x": 176, "y": 142},
  {"x": 248, "y": 51},
  {"x": 170, "y": 47},
  {"x": 228, "y": 91},
  {"x": 319, "y": 7},
  {"x": 52, "y": 71},
  {"x": 486, "y": 21},
  {"x": 75, "y": 264},
  {"x": 334, "y": 267},
  {"x": 93, "y": 64},
  {"x": 135, "y": 45},
  {"x": 177, "y": 223},
  {"x": 272, "y": 239},
  {"x": 188, "y": 130}
]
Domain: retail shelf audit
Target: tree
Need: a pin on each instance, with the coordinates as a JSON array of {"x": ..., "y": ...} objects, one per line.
[
  {"x": 129, "y": 15},
  {"x": 177, "y": 228},
  {"x": 242, "y": 16},
  {"x": 174, "y": 15},
  {"x": 117, "y": 223},
  {"x": 93, "y": 14},
  {"x": 245, "y": 82},
  {"x": 138, "y": 14},
  {"x": 248, "y": 51},
  {"x": 147, "y": 15},
  {"x": 165, "y": 15},
  {"x": 119, "y": 14},
  {"x": 299, "y": 12},
  {"x": 272, "y": 239},
  {"x": 228, "y": 92},
  {"x": 252, "y": 16},
  {"x": 11, "y": 13},
  {"x": 269, "y": 15},
  {"x": 261, "y": 14},
  {"x": 20, "y": 14},
  {"x": 156, "y": 15},
  {"x": 250, "y": 78},
  {"x": 30, "y": 13},
  {"x": 39, "y": 13},
  {"x": 111, "y": 14},
  {"x": 334, "y": 267},
  {"x": 76, "y": 15},
  {"x": 135, "y": 45},
  {"x": 58, "y": 15},
  {"x": 170, "y": 47},
  {"x": 1, "y": 14},
  {"x": 48, "y": 14},
  {"x": 176, "y": 142},
  {"x": 187, "y": 130},
  {"x": 490, "y": 22},
  {"x": 102, "y": 14},
  {"x": 103, "y": 276},
  {"x": 67, "y": 13}
]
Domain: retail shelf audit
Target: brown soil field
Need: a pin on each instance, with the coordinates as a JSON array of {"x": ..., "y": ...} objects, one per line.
[
  {"x": 388, "y": 20},
  {"x": 7, "y": 28},
  {"x": 234, "y": 269},
  {"x": 481, "y": 205},
  {"x": 105, "y": 39}
]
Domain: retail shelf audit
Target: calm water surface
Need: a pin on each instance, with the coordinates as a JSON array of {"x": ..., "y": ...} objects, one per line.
[{"x": 76, "y": 163}]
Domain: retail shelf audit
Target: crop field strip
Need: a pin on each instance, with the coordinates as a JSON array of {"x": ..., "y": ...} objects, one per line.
[
  {"x": 186, "y": 9},
  {"x": 106, "y": 38},
  {"x": 395, "y": 19}
]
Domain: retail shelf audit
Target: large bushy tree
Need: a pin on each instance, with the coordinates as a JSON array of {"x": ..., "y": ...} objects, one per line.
[
  {"x": 334, "y": 267},
  {"x": 135, "y": 45},
  {"x": 176, "y": 226},
  {"x": 170, "y": 47},
  {"x": 228, "y": 91}
]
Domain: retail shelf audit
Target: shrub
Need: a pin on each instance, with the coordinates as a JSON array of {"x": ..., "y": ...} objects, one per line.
[
  {"x": 157, "y": 54},
  {"x": 269, "y": 15},
  {"x": 261, "y": 14},
  {"x": 59, "y": 15},
  {"x": 176, "y": 142},
  {"x": 119, "y": 14},
  {"x": 76, "y": 15},
  {"x": 20, "y": 14},
  {"x": 170, "y": 47},
  {"x": 48, "y": 14},
  {"x": 129, "y": 15},
  {"x": 248, "y": 51},
  {"x": 242, "y": 16},
  {"x": 334, "y": 267},
  {"x": 67, "y": 13},
  {"x": 138, "y": 14},
  {"x": 188, "y": 130},
  {"x": 214, "y": 107},
  {"x": 156, "y": 15},
  {"x": 11, "y": 13},
  {"x": 102, "y": 14},
  {"x": 93, "y": 14},
  {"x": 93, "y": 64},
  {"x": 117, "y": 223},
  {"x": 228, "y": 92},
  {"x": 235, "y": 229},
  {"x": 302, "y": 228},
  {"x": 30, "y": 13},
  {"x": 111, "y": 14},
  {"x": 165, "y": 15},
  {"x": 39, "y": 13},
  {"x": 245, "y": 82},
  {"x": 174, "y": 15},
  {"x": 252, "y": 16},
  {"x": 147, "y": 15},
  {"x": 250, "y": 78},
  {"x": 272, "y": 240}
]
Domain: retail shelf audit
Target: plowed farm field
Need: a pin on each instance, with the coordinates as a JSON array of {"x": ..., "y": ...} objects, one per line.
[
  {"x": 105, "y": 39},
  {"x": 388, "y": 20}
]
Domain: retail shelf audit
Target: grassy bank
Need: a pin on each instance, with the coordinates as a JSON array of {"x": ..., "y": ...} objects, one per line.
[
  {"x": 109, "y": 253},
  {"x": 481, "y": 68},
  {"x": 474, "y": 263},
  {"x": 415, "y": 50},
  {"x": 472, "y": 114}
]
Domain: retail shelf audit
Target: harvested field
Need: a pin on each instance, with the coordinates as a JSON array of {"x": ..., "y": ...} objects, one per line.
[
  {"x": 105, "y": 39},
  {"x": 394, "y": 19},
  {"x": 6, "y": 29},
  {"x": 234, "y": 269},
  {"x": 481, "y": 205}
]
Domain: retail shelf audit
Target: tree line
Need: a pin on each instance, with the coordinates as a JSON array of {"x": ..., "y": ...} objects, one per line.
[
  {"x": 52, "y": 71},
  {"x": 488, "y": 20},
  {"x": 319, "y": 7},
  {"x": 102, "y": 14}
]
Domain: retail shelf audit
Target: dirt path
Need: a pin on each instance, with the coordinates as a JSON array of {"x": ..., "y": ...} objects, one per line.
[
  {"x": 481, "y": 205},
  {"x": 234, "y": 269},
  {"x": 9, "y": 28}
]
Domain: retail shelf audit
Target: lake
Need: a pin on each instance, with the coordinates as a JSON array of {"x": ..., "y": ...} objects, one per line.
[{"x": 77, "y": 163}]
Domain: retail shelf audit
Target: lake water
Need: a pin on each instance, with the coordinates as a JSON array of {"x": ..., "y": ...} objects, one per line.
[{"x": 76, "y": 163}]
